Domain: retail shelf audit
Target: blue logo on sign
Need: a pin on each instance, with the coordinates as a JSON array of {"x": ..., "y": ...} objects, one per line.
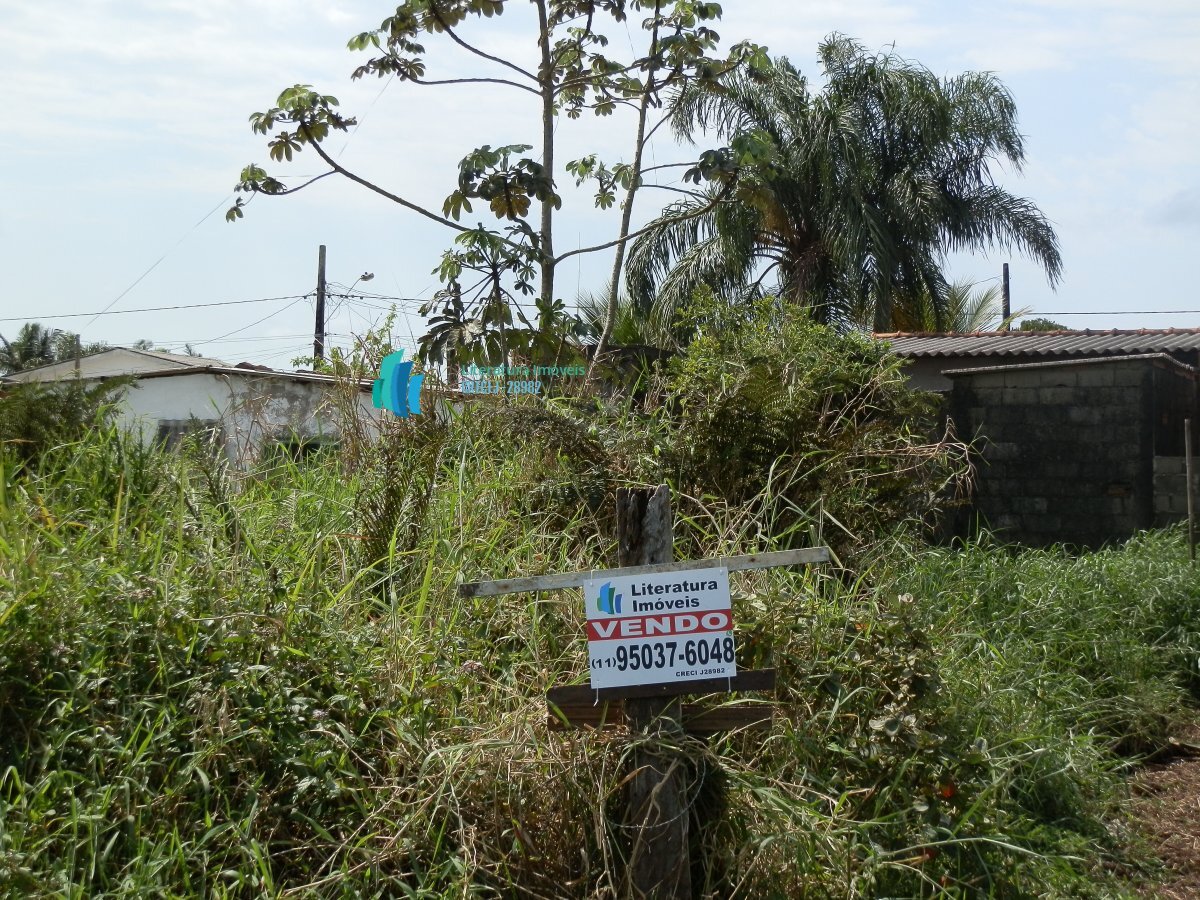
[
  {"x": 609, "y": 600},
  {"x": 397, "y": 389}
]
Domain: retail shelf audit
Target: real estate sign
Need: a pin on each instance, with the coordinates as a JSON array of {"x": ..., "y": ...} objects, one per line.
[{"x": 659, "y": 628}]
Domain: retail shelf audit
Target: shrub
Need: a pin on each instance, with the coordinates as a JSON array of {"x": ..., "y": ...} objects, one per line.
[
  {"x": 765, "y": 406},
  {"x": 35, "y": 417},
  {"x": 203, "y": 692}
]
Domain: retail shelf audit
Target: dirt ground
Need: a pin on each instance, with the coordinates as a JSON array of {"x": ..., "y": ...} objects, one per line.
[{"x": 1166, "y": 804}]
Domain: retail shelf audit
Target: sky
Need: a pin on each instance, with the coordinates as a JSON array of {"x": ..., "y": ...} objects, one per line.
[{"x": 127, "y": 128}]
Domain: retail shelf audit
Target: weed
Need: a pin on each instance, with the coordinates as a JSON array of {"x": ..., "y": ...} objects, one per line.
[{"x": 228, "y": 685}]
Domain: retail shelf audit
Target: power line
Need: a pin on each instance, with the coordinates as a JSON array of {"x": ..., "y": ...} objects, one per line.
[
  {"x": 252, "y": 324},
  {"x": 361, "y": 298},
  {"x": 362, "y": 118},
  {"x": 123, "y": 312},
  {"x": 154, "y": 266},
  {"x": 1123, "y": 312},
  {"x": 179, "y": 342}
]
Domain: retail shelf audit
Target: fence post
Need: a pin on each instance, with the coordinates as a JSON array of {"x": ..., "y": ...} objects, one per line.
[{"x": 656, "y": 806}]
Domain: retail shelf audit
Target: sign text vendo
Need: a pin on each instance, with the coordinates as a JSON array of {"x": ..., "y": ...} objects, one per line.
[{"x": 658, "y": 628}]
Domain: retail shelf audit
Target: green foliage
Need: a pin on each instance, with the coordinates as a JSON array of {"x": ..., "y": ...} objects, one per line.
[
  {"x": 507, "y": 187},
  {"x": 480, "y": 329},
  {"x": 395, "y": 486},
  {"x": 765, "y": 400},
  {"x": 962, "y": 310},
  {"x": 573, "y": 73},
  {"x": 849, "y": 197},
  {"x": 205, "y": 692},
  {"x": 35, "y": 417},
  {"x": 35, "y": 345},
  {"x": 1039, "y": 324}
]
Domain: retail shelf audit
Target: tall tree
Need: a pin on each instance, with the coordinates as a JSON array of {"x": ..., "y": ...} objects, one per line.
[
  {"x": 965, "y": 308},
  {"x": 851, "y": 196},
  {"x": 571, "y": 73},
  {"x": 1041, "y": 324},
  {"x": 36, "y": 345}
]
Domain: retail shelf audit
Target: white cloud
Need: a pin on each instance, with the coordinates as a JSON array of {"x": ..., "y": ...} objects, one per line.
[
  {"x": 1181, "y": 208},
  {"x": 128, "y": 123}
]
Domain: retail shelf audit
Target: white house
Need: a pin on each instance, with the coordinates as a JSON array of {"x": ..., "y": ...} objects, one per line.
[
  {"x": 248, "y": 409},
  {"x": 108, "y": 363}
]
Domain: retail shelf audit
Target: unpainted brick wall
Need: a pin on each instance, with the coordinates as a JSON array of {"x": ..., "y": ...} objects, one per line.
[
  {"x": 1065, "y": 452},
  {"x": 1170, "y": 489}
]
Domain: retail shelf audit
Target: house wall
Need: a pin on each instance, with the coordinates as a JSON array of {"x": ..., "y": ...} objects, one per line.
[
  {"x": 252, "y": 411},
  {"x": 1067, "y": 451},
  {"x": 924, "y": 373},
  {"x": 1170, "y": 489},
  {"x": 1177, "y": 399}
]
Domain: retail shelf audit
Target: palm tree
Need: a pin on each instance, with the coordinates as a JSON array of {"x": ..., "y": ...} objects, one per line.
[
  {"x": 849, "y": 198},
  {"x": 33, "y": 346},
  {"x": 630, "y": 326},
  {"x": 964, "y": 310}
]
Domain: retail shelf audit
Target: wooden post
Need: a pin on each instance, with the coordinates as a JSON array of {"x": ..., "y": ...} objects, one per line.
[
  {"x": 1191, "y": 491},
  {"x": 658, "y": 815},
  {"x": 659, "y": 866}
]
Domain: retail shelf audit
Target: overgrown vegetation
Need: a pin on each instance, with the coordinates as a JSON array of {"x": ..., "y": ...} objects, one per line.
[
  {"x": 769, "y": 411},
  {"x": 37, "y": 416},
  {"x": 257, "y": 684}
]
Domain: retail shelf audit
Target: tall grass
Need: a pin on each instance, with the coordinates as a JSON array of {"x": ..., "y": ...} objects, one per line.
[{"x": 265, "y": 684}]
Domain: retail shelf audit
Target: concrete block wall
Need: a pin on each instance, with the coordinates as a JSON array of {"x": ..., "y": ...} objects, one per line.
[
  {"x": 1170, "y": 489},
  {"x": 1065, "y": 451}
]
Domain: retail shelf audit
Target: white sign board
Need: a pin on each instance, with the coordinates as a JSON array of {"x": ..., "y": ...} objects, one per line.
[{"x": 661, "y": 628}]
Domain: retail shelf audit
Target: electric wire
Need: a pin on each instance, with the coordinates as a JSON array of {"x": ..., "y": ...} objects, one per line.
[
  {"x": 251, "y": 325},
  {"x": 1122, "y": 312},
  {"x": 124, "y": 312},
  {"x": 154, "y": 266}
]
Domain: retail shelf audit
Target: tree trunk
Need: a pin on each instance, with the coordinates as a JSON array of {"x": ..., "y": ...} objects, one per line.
[
  {"x": 546, "y": 83},
  {"x": 639, "y": 146}
]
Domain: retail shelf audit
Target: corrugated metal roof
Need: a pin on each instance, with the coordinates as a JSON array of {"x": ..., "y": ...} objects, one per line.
[
  {"x": 112, "y": 361},
  {"x": 254, "y": 372},
  {"x": 182, "y": 359},
  {"x": 1045, "y": 343},
  {"x": 1162, "y": 359}
]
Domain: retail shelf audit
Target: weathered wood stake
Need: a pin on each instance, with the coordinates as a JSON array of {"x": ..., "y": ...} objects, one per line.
[{"x": 657, "y": 810}]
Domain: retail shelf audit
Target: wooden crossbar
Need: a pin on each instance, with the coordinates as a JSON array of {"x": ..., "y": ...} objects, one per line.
[
  {"x": 697, "y": 719},
  {"x": 581, "y": 706},
  {"x": 801, "y": 557},
  {"x": 749, "y": 680}
]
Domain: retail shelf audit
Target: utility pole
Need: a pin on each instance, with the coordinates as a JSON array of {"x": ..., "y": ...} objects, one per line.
[
  {"x": 319, "y": 333},
  {"x": 1006, "y": 302}
]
